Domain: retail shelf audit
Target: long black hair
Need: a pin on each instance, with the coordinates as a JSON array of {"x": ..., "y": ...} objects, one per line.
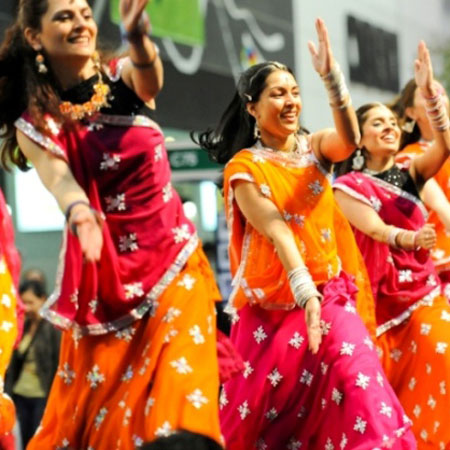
[{"x": 235, "y": 129}]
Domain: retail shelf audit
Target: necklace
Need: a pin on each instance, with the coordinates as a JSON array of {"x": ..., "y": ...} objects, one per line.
[
  {"x": 98, "y": 100},
  {"x": 294, "y": 152}
]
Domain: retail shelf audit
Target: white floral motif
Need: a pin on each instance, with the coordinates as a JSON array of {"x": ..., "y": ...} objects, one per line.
[
  {"x": 344, "y": 441},
  {"x": 244, "y": 410},
  {"x": 93, "y": 126},
  {"x": 259, "y": 334},
  {"x": 428, "y": 368},
  {"x": 362, "y": 381},
  {"x": 100, "y": 417},
  {"x": 126, "y": 334},
  {"x": 431, "y": 281},
  {"x": 368, "y": 342},
  {"x": 293, "y": 444},
  {"x": 271, "y": 414},
  {"x": 167, "y": 192},
  {"x": 360, "y": 425},
  {"x": 441, "y": 347},
  {"x": 137, "y": 441},
  {"x": 431, "y": 402},
  {"x": 299, "y": 219},
  {"x": 149, "y": 405},
  {"x": 6, "y": 300},
  {"x": 128, "y": 243},
  {"x": 93, "y": 305},
  {"x": 329, "y": 445},
  {"x": 2, "y": 266},
  {"x": 296, "y": 340},
  {"x": 349, "y": 307},
  {"x": 417, "y": 410},
  {"x": 323, "y": 368},
  {"x": 287, "y": 216},
  {"x": 413, "y": 346},
  {"x": 336, "y": 396},
  {"x": 181, "y": 233},
  {"x": 306, "y": 377},
  {"x": 158, "y": 152},
  {"x": 316, "y": 187},
  {"x": 116, "y": 203},
  {"x": 197, "y": 399},
  {"x": 442, "y": 388},
  {"x": 110, "y": 161},
  {"x": 197, "y": 335},
  {"x": 376, "y": 203},
  {"x": 326, "y": 234},
  {"x": 95, "y": 377},
  {"x": 164, "y": 430},
  {"x": 223, "y": 400},
  {"x": 6, "y": 326},
  {"x": 412, "y": 383},
  {"x": 261, "y": 445},
  {"x": 445, "y": 315},
  {"x": 425, "y": 329},
  {"x": 405, "y": 276},
  {"x": 187, "y": 282},
  {"x": 258, "y": 158},
  {"x": 248, "y": 369},
  {"x": 386, "y": 410},
  {"x": 347, "y": 349},
  {"x": 128, "y": 374},
  {"x": 66, "y": 374},
  {"x": 424, "y": 435},
  {"x": 171, "y": 314},
  {"x": 181, "y": 365},
  {"x": 325, "y": 327},
  {"x": 133, "y": 290},
  {"x": 396, "y": 354},
  {"x": 265, "y": 190},
  {"x": 275, "y": 377}
]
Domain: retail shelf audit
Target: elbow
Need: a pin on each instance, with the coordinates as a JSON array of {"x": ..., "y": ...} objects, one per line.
[{"x": 147, "y": 94}]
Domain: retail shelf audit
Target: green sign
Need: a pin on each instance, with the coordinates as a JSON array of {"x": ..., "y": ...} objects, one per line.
[
  {"x": 179, "y": 20},
  {"x": 195, "y": 159}
]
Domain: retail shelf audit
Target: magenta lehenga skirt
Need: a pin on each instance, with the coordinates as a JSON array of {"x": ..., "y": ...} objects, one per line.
[{"x": 288, "y": 398}]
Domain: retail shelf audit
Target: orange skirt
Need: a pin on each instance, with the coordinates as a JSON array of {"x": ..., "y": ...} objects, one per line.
[
  {"x": 416, "y": 359},
  {"x": 8, "y": 335},
  {"x": 157, "y": 376}
]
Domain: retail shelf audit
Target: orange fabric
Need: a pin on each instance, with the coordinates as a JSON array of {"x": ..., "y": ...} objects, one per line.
[
  {"x": 301, "y": 190},
  {"x": 8, "y": 334},
  {"x": 415, "y": 357},
  {"x": 117, "y": 390},
  {"x": 441, "y": 252}
]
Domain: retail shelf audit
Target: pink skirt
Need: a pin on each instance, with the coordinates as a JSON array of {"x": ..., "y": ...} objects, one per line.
[{"x": 288, "y": 398}]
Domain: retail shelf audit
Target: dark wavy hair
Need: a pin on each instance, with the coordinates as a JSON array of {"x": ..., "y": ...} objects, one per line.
[
  {"x": 362, "y": 112},
  {"x": 399, "y": 106},
  {"x": 235, "y": 129}
]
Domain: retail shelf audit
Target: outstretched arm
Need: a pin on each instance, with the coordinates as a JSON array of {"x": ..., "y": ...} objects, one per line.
[
  {"x": 366, "y": 219},
  {"x": 435, "y": 199},
  {"x": 57, "y": 177},
  {"x": 263, "y": 215},
  {"x": 425, "y": 166},
  {"x": 144, "y": 71},
  {"x": 333, "y": 144}
]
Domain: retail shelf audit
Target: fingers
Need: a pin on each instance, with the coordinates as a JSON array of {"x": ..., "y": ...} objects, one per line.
[
  {"x": 91, "y": 241},
  {"x": 313, "y": 329},
  {"x": 312, "y": 49}
]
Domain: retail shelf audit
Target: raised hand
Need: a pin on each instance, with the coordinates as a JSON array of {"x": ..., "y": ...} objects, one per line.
[
  {"x": 322, "y": 57},
  {"x": 133, "y": 16},
  {"x": 423, "y": 70},
  {"x": 313, "y": 329}
]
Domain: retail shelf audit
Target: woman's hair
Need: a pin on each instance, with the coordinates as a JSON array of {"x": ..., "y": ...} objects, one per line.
[
  {"x": 399, "y": 106},
  {"x": 235, "y": 129},
  {"x": 343, "y": 167},
  {"x": 35, "y": 286}
]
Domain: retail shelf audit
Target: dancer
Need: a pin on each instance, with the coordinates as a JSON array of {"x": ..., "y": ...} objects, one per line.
[
  {"x": 11, "y": 318},
  {"x": 312, "y": 377},
  {"x": 417, "y": 139},
  {"x": 382, "y": 202},
  {"x": 134, "y": 291}
]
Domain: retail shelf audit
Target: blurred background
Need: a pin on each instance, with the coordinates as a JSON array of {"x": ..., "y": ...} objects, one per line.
[{"x": 205, "y": 44}]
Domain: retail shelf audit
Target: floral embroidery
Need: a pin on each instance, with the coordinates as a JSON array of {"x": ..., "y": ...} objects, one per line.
[
  {"x": 265, "y": 190},
  {"x": 66, "y": 374},
  {"x": 100, "y": 417},
  {"x": 316, "y": 187},
  {"x": 197, "y": 399},
  {"x": 181, "y": 233},
  {"x": 259, "y": 334},
  {"x": 244, "y": 410},
  {"x": 197, "y": 335},
  {"x": 110, "y": 161},
  {"x": 133, "y": 290},
  {"x": 274, "y": 377},
  {"x": 158, "y": 152},
  {"x": 116, "y": 203},
  {"x": 95, "y": 377},
  {"x": 187, "y": 282},
  {"x": 128, "y": 243},
  {"x": 167, "y": 192},
  {"x": 181, "y": 366}
]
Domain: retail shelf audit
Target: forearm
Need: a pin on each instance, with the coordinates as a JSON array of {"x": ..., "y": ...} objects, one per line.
[{"x": 435, "y": 199}]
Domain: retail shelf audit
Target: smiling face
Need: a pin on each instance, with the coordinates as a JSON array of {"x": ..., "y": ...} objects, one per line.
[
  {"x": 67, "y": 34},
  {"x": 380, "y": 132},
  {"x": 278, "y": 108}
]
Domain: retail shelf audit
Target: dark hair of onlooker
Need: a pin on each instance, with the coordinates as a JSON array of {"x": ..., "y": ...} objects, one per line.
[{"x": 35, "y": 286}]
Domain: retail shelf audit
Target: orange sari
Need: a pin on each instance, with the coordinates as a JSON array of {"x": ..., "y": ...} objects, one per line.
[{"x": 159, "y": 375}]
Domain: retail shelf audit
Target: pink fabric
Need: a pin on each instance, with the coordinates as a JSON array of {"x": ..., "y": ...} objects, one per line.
[
  {"x": 230, "y": 361},
  {"x": 288, "y": 398},
  {"x": 399, "y": 278},
  {"x": 124, "y": 169}
]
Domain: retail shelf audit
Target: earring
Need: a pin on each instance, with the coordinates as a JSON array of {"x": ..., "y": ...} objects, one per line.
[
  {"x": 96, "y": 60},
  {"x": 408, "y": 127},
  {"x": 358, "y": 160},
  {"x": 256, "y": 132},
  {"x": 40, "y": 64}
]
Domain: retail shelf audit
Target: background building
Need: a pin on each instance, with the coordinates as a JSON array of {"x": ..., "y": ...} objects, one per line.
[{"x": 205, "y": 44}]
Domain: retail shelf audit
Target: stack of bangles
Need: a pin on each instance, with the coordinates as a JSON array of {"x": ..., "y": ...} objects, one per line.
[
  {"x": 400, "y": 238},
  {"x": 437, "y": 112},
  {"x": 337, "y": 89},
  {"x": 72, "y": 219},
  {"x": 302, "y": 286}
]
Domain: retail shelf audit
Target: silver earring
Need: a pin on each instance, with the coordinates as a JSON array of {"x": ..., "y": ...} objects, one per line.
[
  {"x": 40, "y": 64},
  {"x": 408, "y": 127},
  {"x": 358, "y": 160},
  {"x": 256, "y": 132}
]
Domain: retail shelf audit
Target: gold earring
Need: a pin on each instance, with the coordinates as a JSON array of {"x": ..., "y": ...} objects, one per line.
[
  {"x": 256, "y": 132},
  {"x": 40, "y": 64},
  {"x": 96, "y": 60}
]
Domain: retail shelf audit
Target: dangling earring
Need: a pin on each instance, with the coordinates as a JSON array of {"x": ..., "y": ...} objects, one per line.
[
  {"x": 96, "y": 60},
  {"x": 358, "y": 160},
  {"x": 408, "y": 127},
  {"x": 40, "y": 64},
  {"x": 256, "y": 132}
]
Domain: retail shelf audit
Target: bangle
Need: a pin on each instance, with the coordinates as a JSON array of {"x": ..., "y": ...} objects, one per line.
[
  {"x": 338, "y": 94},
  {"x": 302, "y": 286},
  {"x": 72, "y": 205},
  {"x": 147, "y": 65},
  {"x": 98, "y": 216}
]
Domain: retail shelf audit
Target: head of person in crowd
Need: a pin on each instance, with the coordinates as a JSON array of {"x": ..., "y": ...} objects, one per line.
[
  {"x": 34, "y": 273},
  {"x": 380, "y": 139},
  {"x": 182, "y": 440},
  {"x": 411, "y": 110},
  {"x": 33, "y": 296},
  {"x": 266, "y": 106},
  {"x": 51, "y": 43}
]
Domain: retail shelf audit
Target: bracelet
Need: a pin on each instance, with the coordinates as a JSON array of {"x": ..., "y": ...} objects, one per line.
[
  {"x": 407, "y": 240},
  {"x": 337, "y": 89},
  {"x": 436, "y": 112},
  {"x": 147, "y": 65},
  {"x": 392, "y": 233},
  {"x": 99, "y": 218},
  {"x": 72, "y": 205},
  {"x": 302, "y": 286}
]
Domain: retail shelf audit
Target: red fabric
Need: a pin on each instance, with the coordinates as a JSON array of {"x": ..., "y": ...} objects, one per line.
[{"x": 230, "y": 361}]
